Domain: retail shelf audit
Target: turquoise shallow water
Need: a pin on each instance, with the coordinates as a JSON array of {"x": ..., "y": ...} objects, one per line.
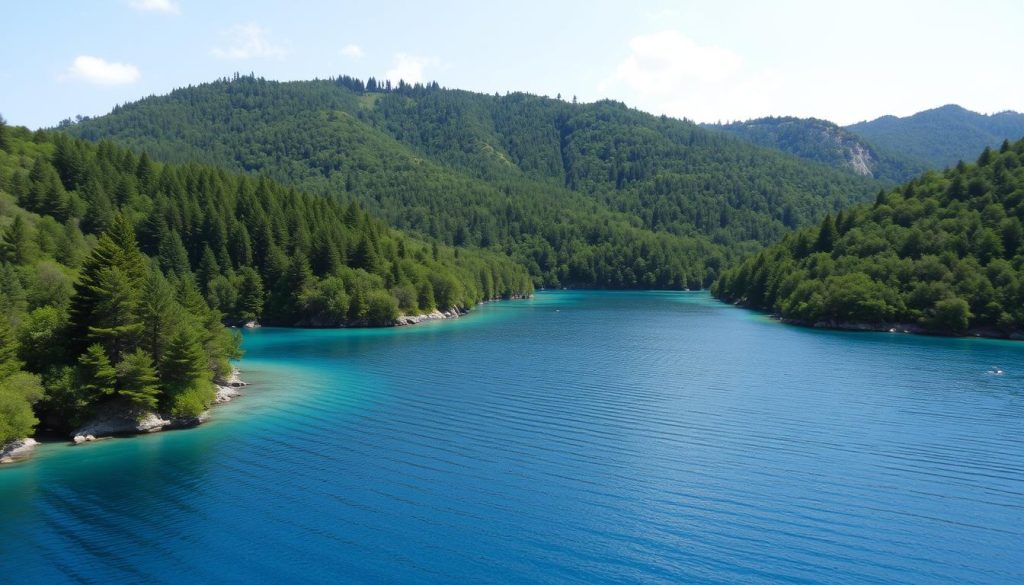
[{"x": 579, "y": 437}]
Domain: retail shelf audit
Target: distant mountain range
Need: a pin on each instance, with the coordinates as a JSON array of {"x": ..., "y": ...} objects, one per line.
[
  {"x": 889, "y": 148},
  {"x": 942, "y": 136},
  {"x": 827, "y": 143}
]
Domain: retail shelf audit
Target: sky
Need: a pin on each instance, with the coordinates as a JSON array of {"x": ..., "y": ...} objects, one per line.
[{"x": 706, "y": 61}]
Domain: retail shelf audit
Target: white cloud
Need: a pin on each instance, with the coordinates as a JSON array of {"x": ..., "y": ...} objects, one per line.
[
  {"x": 247, "y": 41},
  {"x": 409, "y": 68},
  {"x": 669, "y": 73},
  {"x": 165, "y": 6},
  {"x": 95, "y": 70},
  {"x": 353, "y": 51}
]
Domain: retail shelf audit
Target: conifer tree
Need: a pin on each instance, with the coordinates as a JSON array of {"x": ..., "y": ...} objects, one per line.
[
  {"x": 137, "y": 380},
  {"x": 184, "y": 362},
  {"x": 97, "y": 378},
  {"x": 112, "y": 275},
  {"x": 17, "y": 246},
  {"x": 250, "y": 295},
  {"x": 827, "y": 235},
  {"x": 159, "y": 312}
]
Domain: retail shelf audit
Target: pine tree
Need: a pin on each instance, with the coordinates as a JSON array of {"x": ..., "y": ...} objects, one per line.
[
  {"x": 208, "y": 270},
  {"x": 137, "y": 380},
  {"x": 827, "y": 235},
  {"x": 16, "y": 246},
  {"x": 159, "y": 312},
  {"x": 115, "y": 249},
  {"x": 173, "y": 256},
  {"x": 184, "y": 363},
  {"x": 250, "y": 295},
  {"x": 97, "y": 378},
  {"x": 100, "y": 209},
  {"x": 115, "y": 322}
]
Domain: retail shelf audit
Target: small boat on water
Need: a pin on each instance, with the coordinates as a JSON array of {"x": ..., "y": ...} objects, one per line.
[{"x": 995, "y": 371}]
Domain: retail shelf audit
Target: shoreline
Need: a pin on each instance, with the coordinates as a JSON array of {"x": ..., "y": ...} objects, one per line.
[
  {"x": 119, "y": 422},
  {"x": 986, "y": 332}
]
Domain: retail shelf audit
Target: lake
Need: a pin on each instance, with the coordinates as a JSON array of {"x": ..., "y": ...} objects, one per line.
[{"x": 586, "y": 437}]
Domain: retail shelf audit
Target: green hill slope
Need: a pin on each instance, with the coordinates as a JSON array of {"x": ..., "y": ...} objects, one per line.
[
  {"x": 942, "y": 136},
  {"x": 944, "y": 253},
  {"x": 827, "y": 143},
  {"x": 116, "y": 274},
  {"x": 583, "y": 195}
]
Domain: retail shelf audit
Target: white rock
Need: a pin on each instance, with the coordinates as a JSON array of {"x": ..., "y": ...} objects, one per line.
[{"x": 17, "y": 450}]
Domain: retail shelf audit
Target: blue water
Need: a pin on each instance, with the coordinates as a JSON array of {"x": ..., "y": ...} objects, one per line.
[{"x": 579, "y": 437}]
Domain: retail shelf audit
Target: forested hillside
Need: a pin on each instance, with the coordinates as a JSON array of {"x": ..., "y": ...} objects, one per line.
[
  {"x": 117, "y": 274},
  {"x": 592, "y": 195},
  {"x": 945, "y": 253},
  {"x": 942, "y": 136},
  {"x": 825, "y": 142}
]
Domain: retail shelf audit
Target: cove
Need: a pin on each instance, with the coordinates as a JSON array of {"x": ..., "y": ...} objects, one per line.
[{"x": 581, "y": 437}]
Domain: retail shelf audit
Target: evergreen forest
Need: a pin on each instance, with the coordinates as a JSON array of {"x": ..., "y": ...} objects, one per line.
[
  {"x": 943, "y": 253},
  {"x": 118, "y": 275}
]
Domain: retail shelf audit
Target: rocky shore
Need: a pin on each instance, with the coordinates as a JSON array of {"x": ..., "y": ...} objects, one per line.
[
  {"x": 17, "y": 450},
  {"x": 120, "y": 420},
  {"x": 432, "y": 316}
]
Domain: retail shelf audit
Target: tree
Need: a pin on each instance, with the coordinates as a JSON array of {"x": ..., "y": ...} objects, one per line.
[
  {"x": 42, "y": 339},
  {"x": 115, "y": 322},
  {"x": 17, "y": 246},
  {"x": 952, "y": 314},
  {"x": 208, "y": 269},
  {"x": 250, "y": 295},
  {"x": 96, "y": 376},
  {"x": 9, "y": 362},
  {"x": 185, "y": 376},
  {"x": 17, "y": 395},
  {"x": 137, "y": 380},
  {"x": 184, "y": 362},
  {"x": 827, "y": 235},
  {"x": 160, "y": 314},
  {"x": 110, "y": 281}
]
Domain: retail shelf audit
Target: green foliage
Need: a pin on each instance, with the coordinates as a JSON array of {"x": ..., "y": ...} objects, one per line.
[
  {"x": 137, "y": 380},
  {"x": 942, "y": 252},
  {"x": 192, "y": 400},
  {"x": 184, "y": 363},
  {"x": 9, "y": 362},
  {"x": 942, "y": 136},
  {"x": 96, "y": 376},
  {"x": 168, "y": 254},
  {"x": 18, "y": 392},
  {"x": 586, "y": 195},
  {"x": 824, "y": 142},
  {"x": 42, "y": 338}
]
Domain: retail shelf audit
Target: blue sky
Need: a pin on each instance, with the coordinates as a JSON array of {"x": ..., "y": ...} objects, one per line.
[{"x": 705, "y": 61}]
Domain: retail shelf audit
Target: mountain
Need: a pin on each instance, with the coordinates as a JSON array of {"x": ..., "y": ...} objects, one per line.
[
  {"x": 595, "y": 195},
  {"x": 941, "y": 136},
  {"x": 827, "y": 143},
  {"x": 117, "y": 273},
  {"x": 944, "y": 253}
]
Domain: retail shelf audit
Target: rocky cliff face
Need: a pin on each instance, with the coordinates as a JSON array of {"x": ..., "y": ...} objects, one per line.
[{"x": 859, "y": 157}]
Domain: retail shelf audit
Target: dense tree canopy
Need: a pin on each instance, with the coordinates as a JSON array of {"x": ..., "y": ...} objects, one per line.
[
  {"x": 944, "y": 252},
  {"x": 586, "y": 195},
  {"x": 825, "y": 142},
  {"x": 117, "y": 275},
  {"x": 941, "y": 136}
]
